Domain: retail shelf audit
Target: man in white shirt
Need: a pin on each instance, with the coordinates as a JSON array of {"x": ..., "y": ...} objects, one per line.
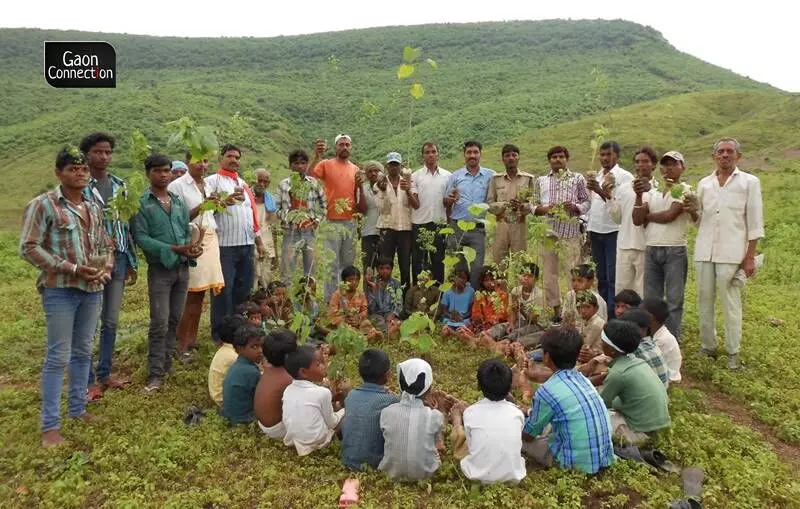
[
  {"x": 429, "y": 183},
  {"x": 730, "y": 225},
  {"x": 602, "y": 230},
  {"x": 666, "y": 263},
  {"x": 629, "y": 273}
]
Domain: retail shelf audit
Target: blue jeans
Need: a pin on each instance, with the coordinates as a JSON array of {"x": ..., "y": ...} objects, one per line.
[
  {"x": 109, "y": 318},
  {"x": 665, "y": 271},
  {"x": 71, "y": 317},
  {"x": 238, "y": 272},
  {"x": 294, "y": 242},
  {"x": 604, "y": 253}
]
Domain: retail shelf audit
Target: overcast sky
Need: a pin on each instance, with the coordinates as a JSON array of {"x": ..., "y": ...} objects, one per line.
[{"x": 758, "y": 39}]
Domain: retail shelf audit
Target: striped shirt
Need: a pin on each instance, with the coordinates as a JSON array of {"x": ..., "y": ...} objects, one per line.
[
  {"x": 570, "y": 187},
  {"x": 362, "y": 439},
  {"x": 581, "y": 427},
  {"x": 395, "y": 212},
  {"x": 235, "y": 226},
  {"x": 119, "y": 231},
  {"x": 649, "y": 352},
  {"x": 314, "y": 202},
  {"x": 56, "y": 239},
  {"x": 410, "y": 430}
]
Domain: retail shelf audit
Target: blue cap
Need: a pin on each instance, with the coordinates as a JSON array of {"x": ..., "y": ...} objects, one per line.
[
  {"x": 394, "y": 157},
  {"x": 179, "y": 165}
]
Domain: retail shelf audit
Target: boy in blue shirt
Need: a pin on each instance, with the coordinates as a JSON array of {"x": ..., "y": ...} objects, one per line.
[
  {"x": 385, "y": 299},
  {"x": 456, "y": 305},
  {"x": 362, "y": 438},
  {"x": 239, "y": 387}
]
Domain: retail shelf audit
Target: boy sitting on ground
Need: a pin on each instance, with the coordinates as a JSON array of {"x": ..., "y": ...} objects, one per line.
[
  {"x": 242, "y": 378},
  {"x": 385, "y": 299},
  {"x": 647, "y": 350},
  {"x": 225, "y": 356},
  {"x": 267, "y": 403},
  {"x": 488, "y": 437},
  {"x": 308, "y": 414},
  {"x": 362, "y": 438},
  {"x": 251, "y": 312},
  {"x": 631, "y": 389},
  {"x": 456, "y": 305},
  {"x": 590, "y": 325},
  {"x": 663, "y": 338},
  {"x": 422, "y": 297},
  {"x": 523, "y": 320},
  {"x": 490, "y": 312},
  {"x": 582, "y": 280},
  {"x": 625, "y": 300},
  {"x": 579, "y": 434},
  {"x": 306, "y": 303},
  {"x": 348, "y": 305},
  {"x": 279, "y": 310},
  {"x": 412, "y": 432}
]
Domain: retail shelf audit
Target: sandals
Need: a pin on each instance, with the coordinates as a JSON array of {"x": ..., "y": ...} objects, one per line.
[{"x": 93, "y": 393}]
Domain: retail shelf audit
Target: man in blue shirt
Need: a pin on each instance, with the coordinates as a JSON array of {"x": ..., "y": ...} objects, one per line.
[{"x": 469, "y": 186}]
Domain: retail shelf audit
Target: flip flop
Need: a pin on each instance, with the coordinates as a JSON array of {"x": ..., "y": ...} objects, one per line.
[
  {"x": 93, "y": 393},
  {"x": 657, "y": 459}
]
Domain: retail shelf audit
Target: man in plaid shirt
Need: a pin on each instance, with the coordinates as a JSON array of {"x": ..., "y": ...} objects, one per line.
[{"x": 64, "y": 235}]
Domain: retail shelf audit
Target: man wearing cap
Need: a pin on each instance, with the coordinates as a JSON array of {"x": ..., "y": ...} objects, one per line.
[
  {"x": 465, "y": 187},
  {"x": 731, "y": 223},
  {"x": 667, "y": 219},
  {"x": 429, "y": 183},
  {"x": 179, "y": 169},
  {"x": 396, "y": 198},
  {"x": 341, "y": 184},
  {"x": 507, "y": 194}
]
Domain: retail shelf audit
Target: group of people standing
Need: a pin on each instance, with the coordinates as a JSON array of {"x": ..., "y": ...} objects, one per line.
[{"x": 204, "y": 233}]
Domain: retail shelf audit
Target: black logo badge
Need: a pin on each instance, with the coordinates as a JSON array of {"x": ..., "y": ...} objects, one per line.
[{"x": 80, "y": 64}]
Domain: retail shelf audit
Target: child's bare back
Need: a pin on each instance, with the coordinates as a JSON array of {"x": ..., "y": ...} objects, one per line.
[{"x": 269, "y": 395}]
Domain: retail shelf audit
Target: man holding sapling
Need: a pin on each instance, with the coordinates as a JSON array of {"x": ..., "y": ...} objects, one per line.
[
  {"x": 161, "y": 228},
  {"x": 561, "y": 195},
  {"x": 509, "y": 194},
  {"x": 730, "y": 225},
  {"x": 239, "y": 234},
  {"x": 602, "y": 230},
  {"x": 63, "y": 235},
  {"x": 429, "y": 182},
  {"x": 466, "y": 187},
  {"x": 103, "y": 186},
  {"x": 341, "y": 183},
  {"x": 667, "y": 222}
]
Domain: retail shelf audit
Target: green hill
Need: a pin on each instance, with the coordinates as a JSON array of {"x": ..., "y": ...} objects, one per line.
[{"x": 495, "y": 82}]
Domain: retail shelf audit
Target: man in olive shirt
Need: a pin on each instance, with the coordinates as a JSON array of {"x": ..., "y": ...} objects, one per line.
[
  {"x": 161, "y": 230},
  {"x": 507, "y": 193}
]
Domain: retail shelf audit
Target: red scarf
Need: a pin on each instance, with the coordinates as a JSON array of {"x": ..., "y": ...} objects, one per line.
[{"x": 235, "y": 177}]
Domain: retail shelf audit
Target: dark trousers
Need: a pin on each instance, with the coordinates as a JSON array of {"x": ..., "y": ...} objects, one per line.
[
  {"x": 604, "y": 253},
  {"x": 369, "y": 250},
  {"x": 167, "y": 290},
  {"x": 398, "y": 242},
  {"x": 665, "y": 272},
  {"x": 422, "y": 259},
  {"x": 238, "y": 272}
]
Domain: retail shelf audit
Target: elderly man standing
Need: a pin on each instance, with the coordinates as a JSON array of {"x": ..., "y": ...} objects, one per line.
[
  {"x": 342, "y": 193},
  {"x": 267, "y": 208},
  {"x": 730, "y": 225},
  {"x": 507, "y": 193}
]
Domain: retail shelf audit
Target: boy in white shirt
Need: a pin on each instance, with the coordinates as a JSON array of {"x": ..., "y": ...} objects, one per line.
[
  {"x": 308, "y": 407},
  {"x": 488, "y": 437},
  {"x": 663, "y": 338}
]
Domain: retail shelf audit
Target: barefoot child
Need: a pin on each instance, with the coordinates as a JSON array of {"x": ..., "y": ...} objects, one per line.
[
  {"x": 240, "y": 383},
  {"x": 267, "y": 403},
  {"x": 384, "y": 299},
  {"x": 663, "y": 338},
  {"x": 225, "y": 356},
  {"x": 308, "y": 413},
  {"x": 456, "y": 306},
  {"x": 523, "y": 319},
  {"x": 590, "y": 325},
  {"x": 488, "y": 438},
  {"x": 348, "y": 304},
  {"x": 422, "y": 297},
  {"x": 490, "y": 312},
  {"x": 362, "y": 439}
]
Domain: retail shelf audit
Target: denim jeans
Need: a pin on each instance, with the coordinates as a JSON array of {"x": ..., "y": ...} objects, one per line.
[
  {"x": 344, "y": 253},
  {"x": 167, "y": 289},
  {"x": 238, "y": 272},
  {"x": 604, "y": 253},
  {"x": 109, "y": 317},
  {"x": 427, "y": 260},
  {"x": 294, "y": 242},
  {"x": 476, "y": 239},
  {"x": 71, "y": 317},
  {"x": 665, "y": 271}
]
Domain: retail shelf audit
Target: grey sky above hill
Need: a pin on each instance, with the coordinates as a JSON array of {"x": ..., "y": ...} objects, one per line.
[{"x": 755, "y": 39}]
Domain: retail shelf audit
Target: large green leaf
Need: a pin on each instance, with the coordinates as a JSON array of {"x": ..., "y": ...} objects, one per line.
[
  {"x": 417, "y": 91},
  {"x": 450, "y": 261},
  {"x": 465, "y": 226},
  {"x": 469, "y": 253},
  {"x": 478, "y": 209},
  {"x": 405, "y": 71},
  {"x": 446, "y": 231},
  {"x": 432, "y": 63},
  {"x": 411, "y": 55},
  {"x": 446, "y": 286}
]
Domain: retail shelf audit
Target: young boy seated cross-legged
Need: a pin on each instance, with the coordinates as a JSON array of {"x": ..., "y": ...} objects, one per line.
[
  {"x": 582, "y": 280},
  {"x": 590, "y": 325},
  {"x": 348, "y": 305},
  {"x": 456, "y": 305},
  {"x": 239, "y": 387},
  {"x": 275, "y": 379},
  {"x": 523, "y": 320},
  {"x": 385, "y": 299}
]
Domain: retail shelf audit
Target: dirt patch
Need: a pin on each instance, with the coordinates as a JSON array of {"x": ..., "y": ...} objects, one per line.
[
  {"x": 792, "y": 154},
  {"x": 595, "y": 501},
  {"x": 721, "y": 403}
]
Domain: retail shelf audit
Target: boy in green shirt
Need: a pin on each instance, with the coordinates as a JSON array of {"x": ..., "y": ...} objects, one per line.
[
  {"x": 632, "y": 391},
  {"x": 239, "y": 387}
]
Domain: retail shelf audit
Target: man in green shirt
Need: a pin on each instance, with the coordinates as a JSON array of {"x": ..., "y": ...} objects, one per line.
[
  {"x": 161, "y": 230},
  {"x": 632, "y": 390}
]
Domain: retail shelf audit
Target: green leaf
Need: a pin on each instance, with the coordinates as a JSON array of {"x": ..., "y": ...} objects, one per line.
[
  {"x": 450, "y": 261},
  {"x": 446, "y": 231},
  {"x": 411, "y": 55},
  {"x": 465, "y": 226},
  {"x": 478, "y": 209},
  {"x": 417, "y": 91},
  {"x": 432, "y": 63},
  {"x": 405, "y": 70},
  {"x": 446, "y": 286},
  {"x": 469, "y": 253}
]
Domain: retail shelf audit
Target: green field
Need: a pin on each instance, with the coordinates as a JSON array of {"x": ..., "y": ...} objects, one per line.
[{"x": 742, "y": 428}]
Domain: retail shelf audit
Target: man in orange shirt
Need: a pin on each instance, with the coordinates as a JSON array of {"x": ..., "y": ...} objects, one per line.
[{"x": 342, "y": 193}]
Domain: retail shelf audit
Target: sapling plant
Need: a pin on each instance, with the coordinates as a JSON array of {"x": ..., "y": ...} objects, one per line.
[{"x": 125, "y": 202}]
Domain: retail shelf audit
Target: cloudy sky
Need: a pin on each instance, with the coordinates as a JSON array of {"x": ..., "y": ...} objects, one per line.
[{"x": 758, "y": 39}]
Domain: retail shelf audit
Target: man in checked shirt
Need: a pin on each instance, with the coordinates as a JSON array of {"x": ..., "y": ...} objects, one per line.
[{"x": 560, "y": 187}]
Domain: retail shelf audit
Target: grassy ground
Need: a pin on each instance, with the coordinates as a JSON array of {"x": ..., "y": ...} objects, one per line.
[{"x": 141, "y": 455}]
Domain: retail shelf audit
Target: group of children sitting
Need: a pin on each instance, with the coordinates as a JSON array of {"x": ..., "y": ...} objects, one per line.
[{"x": 598, "y": 379}]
